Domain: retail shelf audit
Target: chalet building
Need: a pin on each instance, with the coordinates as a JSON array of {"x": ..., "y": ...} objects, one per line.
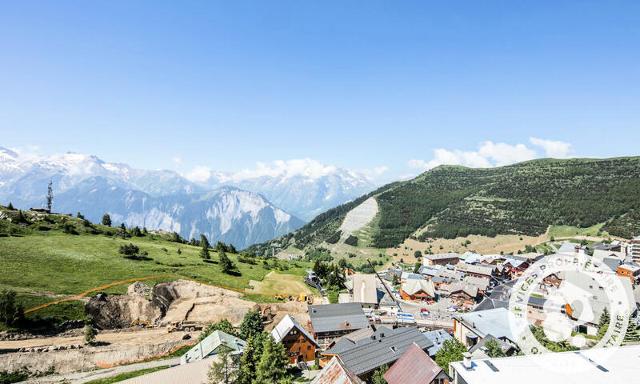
[
  {"x": 418, "y": 290},
  {"x": 300, "y": 345},
  {"x": 463, "y": 295},
  {"x": 481, "y": 283},
  {"x": 331, "y": 321},
  {"x": 477, "y": 270},
  {"x": 383, "y": 347},
  {"x": 631, "y": 271},
  {"x": 415, "y": 366},
  {"x": 514, "y": 268},
  {"x": 441, "y": 259}
]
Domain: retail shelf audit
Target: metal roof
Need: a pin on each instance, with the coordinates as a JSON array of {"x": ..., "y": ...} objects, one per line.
[
  {"x": 437, "y": 337},
  {"x": 490, "y": 322},
  {"x": 286, "y": 325},
  {"x": 351, "y": 340},
  {"x": 337, "y": 317},
  {"x": 414, "y": 366},
  {"x": 414, "y": 286},
  {"x": 210, "y": 346},
  {"x": 592, "y": 366},
  {"x": 365, "y": 289},
  {"x": 384, "y": 349},
  {"x": 336, "y": 373}
]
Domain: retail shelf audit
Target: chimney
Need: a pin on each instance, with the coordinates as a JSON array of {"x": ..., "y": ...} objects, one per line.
[{"x": 466, "y": 361}]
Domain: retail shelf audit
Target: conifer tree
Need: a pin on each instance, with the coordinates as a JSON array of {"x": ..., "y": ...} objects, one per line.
[
  {"x": 204, "y": 243},
  {"x": 272, "y": 367},
  {"x": 106, "y": 220}
]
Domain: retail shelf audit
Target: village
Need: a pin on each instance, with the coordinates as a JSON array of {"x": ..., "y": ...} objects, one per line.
[{"x": 445, "y": 321}]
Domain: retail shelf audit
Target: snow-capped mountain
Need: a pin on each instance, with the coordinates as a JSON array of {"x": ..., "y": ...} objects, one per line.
[
  {"x": 155, "y": 199},
  {"x": 303, "y": 187}
]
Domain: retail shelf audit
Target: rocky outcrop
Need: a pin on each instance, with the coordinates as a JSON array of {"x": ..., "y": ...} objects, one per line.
[{"x": 122, "y": 311}]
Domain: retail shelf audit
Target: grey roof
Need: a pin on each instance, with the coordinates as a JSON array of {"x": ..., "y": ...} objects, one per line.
[
  {"x": 437, "y": 338},
  {"x": 482, "y": 283},
  {"x": 490, "y": 322},
  {"x": 286, "y": 325},
  {"x": 442, "y": 256},
  {"x": 337, "y": 317},
  {"x": 497, "y": 298},
  {"x": 353, "y": 339},
  {"x": 476, "y": 268},
  {"x": 369, "y": 355},
  {"x": 612, "y": 263}
]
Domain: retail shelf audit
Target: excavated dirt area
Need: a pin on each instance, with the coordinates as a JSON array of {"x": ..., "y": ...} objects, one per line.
[
  {"x": 133, "y": 326},
  {"x": 69, "y": 354},
  {"x": 167, "y": 303}
]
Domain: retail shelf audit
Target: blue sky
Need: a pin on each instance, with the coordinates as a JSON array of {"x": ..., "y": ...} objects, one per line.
[{"x": 358, "y": 84}]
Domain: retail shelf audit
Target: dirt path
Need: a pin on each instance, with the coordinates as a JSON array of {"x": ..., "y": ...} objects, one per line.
[
  {"x": 127, "y": 337},
  {"x": 92, "y": 290},
  {"x": 84, "y": 377}
]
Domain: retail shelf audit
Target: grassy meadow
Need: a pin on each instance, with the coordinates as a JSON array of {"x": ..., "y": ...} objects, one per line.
[{"x": 45, "y": 264}]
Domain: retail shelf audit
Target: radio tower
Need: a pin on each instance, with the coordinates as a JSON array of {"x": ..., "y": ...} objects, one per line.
[{"x": 50, "y": 195}]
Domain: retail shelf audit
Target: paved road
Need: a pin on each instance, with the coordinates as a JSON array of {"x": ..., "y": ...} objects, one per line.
[{"x": 83, "y": 377}]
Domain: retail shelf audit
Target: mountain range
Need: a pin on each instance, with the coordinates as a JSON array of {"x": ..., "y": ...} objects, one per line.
[
  {"x": 236, "y": 210},
  {"x": 456, "y": 201}
]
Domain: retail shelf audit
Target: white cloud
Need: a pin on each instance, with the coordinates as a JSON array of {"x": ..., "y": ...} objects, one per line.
[
  {"x": 177, "y": 160},
  {"x": 308, "y": 168},
  {"x": 287, "y": 168},
  {"x": 375, "y": 172},
  {"x": 199, "y": 174},
  {"x": 557, "y": 149},
  {"x": 490, "y": 154},
  {"x": 505, "y": 154}
]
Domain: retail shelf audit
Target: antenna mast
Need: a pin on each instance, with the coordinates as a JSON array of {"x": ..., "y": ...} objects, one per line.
[{"x": 50, "y": 195}]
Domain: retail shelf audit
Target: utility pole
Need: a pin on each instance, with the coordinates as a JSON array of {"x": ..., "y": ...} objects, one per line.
[{"x": 50, "y": 195}]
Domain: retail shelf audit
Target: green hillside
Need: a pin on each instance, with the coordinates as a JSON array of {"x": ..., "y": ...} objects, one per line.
[
  {"x": 45, "y": 258},
  {"x": 522, "y": 199}
]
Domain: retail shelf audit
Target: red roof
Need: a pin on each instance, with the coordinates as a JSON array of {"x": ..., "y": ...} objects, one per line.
[{"x": 414, "y": 366}]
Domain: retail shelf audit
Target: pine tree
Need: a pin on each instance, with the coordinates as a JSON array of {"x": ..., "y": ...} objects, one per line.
[
  {"x": 204, "y": 252},
  {"x": 106, "y": 220},
  {"x": 224, "y": 369},
  {"x": 272, "y": 367},
  {"x": 452, "y": 350},
  {"x": 250, "y": 358},
  {"x": 10, "y": 207},
  {"x": 227, "y": 265},
  {"x": 251, "y": 324}
]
